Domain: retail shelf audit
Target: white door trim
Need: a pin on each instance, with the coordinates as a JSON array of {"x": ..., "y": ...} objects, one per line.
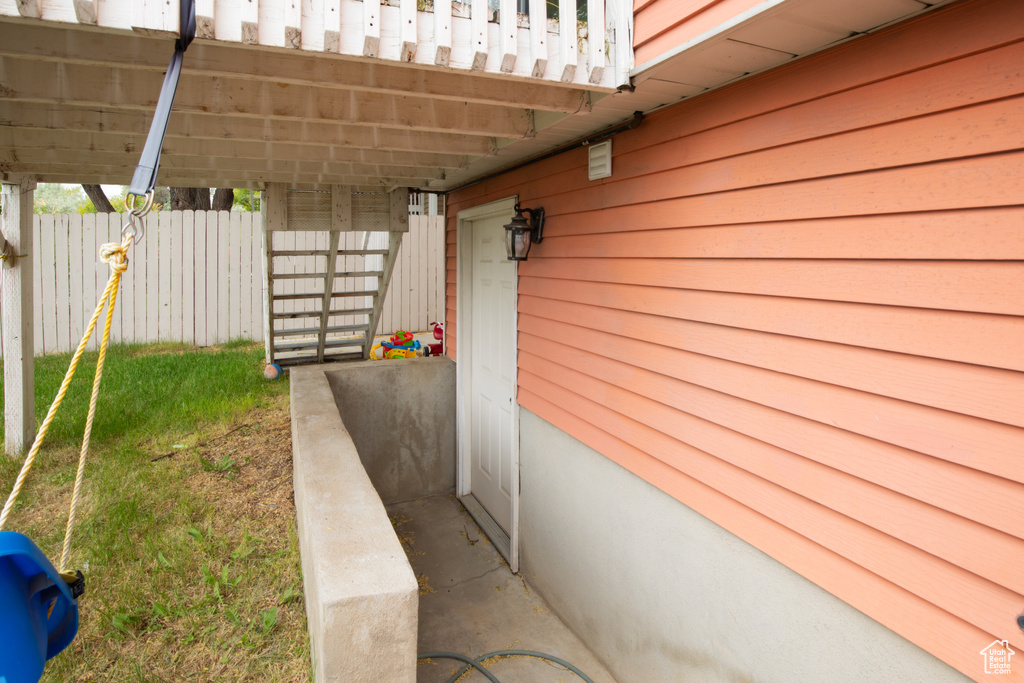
[{"x": 463, "y": 350}]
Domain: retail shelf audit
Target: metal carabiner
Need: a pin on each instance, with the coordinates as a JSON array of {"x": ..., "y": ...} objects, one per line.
[
  {"x": 147, "y": 203},
  {"x": 135, "y": 227}
]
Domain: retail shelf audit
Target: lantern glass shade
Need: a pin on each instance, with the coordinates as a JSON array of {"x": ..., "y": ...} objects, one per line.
[
  {"x": 517, "y": 242},
  {"x": 520, "y": 234}
]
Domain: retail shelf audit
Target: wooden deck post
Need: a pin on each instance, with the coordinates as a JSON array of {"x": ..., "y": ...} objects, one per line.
[
  {"x": 18, "y": 330},
  {"x": 272, "y": 209}
]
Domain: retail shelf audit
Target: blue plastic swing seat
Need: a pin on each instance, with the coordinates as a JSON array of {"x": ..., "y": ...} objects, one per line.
[{"x": 28, "y": 584}]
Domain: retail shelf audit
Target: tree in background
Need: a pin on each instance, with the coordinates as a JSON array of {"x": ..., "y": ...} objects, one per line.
[
  {"x": 51, "y": 198},
  {"x": 198, "y": 199},
  {"x": 552, "y": 6},
  {"x": 246, "y": 200},
  {"x": 99, "y": 198},
  {"x": 57, "y": 198},
  {"x": 116, "y": 204},
  {"x": 176, "y": 198}
]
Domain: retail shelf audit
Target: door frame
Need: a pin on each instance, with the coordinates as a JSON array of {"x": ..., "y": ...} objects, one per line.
[{"x": 464, "y": 350}]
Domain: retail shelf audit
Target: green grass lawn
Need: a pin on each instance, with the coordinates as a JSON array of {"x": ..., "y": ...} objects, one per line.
[{"x": 191, "y": 559}]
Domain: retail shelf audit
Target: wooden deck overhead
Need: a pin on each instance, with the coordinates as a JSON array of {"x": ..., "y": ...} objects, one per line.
[{"x": 314, "y": 93}]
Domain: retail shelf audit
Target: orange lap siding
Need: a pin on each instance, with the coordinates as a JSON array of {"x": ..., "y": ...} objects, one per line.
[{"x": 797, "y": 307}]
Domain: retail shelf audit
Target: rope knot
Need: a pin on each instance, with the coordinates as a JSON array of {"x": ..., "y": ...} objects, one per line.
[{"x": 115, "y": 255}]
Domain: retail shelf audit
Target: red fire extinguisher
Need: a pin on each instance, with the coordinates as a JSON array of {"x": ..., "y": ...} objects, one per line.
[{"x": 436, "y": 349}]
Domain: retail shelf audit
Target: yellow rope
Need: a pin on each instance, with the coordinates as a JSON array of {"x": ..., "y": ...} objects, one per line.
[{"x": 116, "y": 256}]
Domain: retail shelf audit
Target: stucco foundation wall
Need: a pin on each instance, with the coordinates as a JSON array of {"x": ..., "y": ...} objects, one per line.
[
  {"x": 401, "y": 416},
  {"x": 660, "y": 593}
]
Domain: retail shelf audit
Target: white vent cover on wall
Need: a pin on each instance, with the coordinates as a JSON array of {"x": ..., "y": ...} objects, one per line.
[{"x": 600, "y": 160}]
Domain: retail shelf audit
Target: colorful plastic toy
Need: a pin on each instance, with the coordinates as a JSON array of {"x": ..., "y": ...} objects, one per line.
[
  {"x": 400, "y": 345},
  {"x": 401, "y": 338}
]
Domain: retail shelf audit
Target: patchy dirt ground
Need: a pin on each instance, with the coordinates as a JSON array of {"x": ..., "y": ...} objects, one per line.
[{"x": 249, "y": 469}]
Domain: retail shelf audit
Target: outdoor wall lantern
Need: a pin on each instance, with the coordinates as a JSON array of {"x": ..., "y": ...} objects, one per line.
[{"x": 520, "y": 234}]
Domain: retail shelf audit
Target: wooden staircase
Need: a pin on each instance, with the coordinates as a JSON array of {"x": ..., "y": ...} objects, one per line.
[{"x": 329, "y": 255}]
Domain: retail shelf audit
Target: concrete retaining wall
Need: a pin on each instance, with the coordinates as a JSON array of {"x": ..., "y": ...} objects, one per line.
[
  {"x": 361, "y": 594},
  {"x": 662, "y": 594},
  {"x": 401, "y": 415}
]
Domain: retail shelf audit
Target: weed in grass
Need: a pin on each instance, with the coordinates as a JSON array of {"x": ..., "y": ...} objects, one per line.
[
  {"x": 225, "y": 464},
  {"x": 122, "y": 623},
  {"x": 245, "y": 548},
  {"x": 268, "y": 619},
  {"x": 198, "y": 535}
]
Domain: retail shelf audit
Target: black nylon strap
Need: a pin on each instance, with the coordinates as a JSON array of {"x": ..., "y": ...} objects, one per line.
[
  {"x": 187, "y": 19},
  {"x": 144, "y": 179}
]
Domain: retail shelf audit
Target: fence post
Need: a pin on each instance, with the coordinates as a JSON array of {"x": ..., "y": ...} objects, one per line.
[
  {"x": 270, "y": 200},
  {"x": 19, "y": 332}
]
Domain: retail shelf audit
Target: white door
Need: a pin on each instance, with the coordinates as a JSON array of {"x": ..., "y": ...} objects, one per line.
[{"x": 492, "y": 369}]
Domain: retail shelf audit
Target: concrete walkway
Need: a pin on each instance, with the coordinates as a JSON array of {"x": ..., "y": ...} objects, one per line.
[{"x": 470, "y": 603}]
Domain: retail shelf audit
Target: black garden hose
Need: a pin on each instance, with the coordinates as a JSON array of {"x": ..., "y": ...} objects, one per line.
[{"x": 476, "y": 663}]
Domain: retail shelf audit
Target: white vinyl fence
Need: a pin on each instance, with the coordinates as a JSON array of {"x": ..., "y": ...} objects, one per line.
[
  {"x": 196, "y": 277},
  {"x": 416, "y": 294}
]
